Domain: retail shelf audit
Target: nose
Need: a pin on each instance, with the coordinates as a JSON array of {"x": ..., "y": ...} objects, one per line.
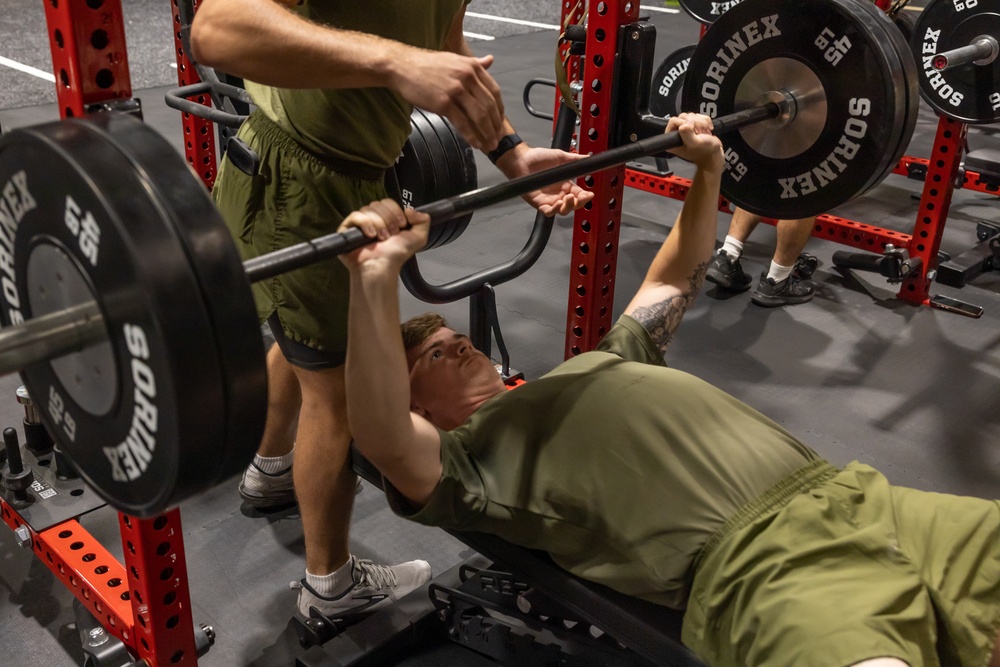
[{"x": 463, "y": 347}]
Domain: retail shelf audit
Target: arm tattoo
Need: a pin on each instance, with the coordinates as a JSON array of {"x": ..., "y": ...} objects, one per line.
[{"x": 662, "y": 319}]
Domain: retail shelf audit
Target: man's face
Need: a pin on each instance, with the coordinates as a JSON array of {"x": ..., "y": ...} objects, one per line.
[{"x": 449, "y": 378}]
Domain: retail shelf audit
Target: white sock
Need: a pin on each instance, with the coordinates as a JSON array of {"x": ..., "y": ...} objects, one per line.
[
  {"x": 733, "y": 248},
  {"x": 274, "y": 464},
  {"x": 777, "y": 272},
  {"x": 337, "y": 581}
]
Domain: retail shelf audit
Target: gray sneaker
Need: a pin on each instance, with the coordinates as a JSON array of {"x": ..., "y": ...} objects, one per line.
[
  {"x": 789, "y": 291},
  {"x": 263, "y": 490},
  {"x": 374, "y": 586},
  {"x": 728, "y": 273},
  {"x": 266, "y": 491}
]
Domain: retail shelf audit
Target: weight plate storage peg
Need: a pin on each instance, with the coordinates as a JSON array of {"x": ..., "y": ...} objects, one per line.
[
  {"x": 668, "y": 82},
  {"x": 851, "y": 111},
  {"x": 104, "y": 211},
  {"x": 968, "y": 92}
]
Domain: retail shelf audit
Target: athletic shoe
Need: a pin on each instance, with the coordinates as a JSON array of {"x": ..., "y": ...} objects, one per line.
[
  {"x": 782, "y": 293},
  {"x": 265, "y": 491},
  {"x": 805, "y": 266},
  {"x": 727, "y": 273},
  {"x": 375, "y": 586},
  {"x": 262, "y": 490}
]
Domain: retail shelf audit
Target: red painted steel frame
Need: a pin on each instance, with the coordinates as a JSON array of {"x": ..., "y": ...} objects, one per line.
[
  {"x": 595, "y": 230},
  {"x": 939, "y": 184},
  {"x": 89, "y": 57},
  {"x": 144, "y": 603},
  {"x": 86, "y": 568},
  {"x": 199, "y": 140},
  {"x": 157, "y": 578}
]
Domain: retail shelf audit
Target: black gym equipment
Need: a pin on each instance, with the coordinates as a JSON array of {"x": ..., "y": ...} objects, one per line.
[{"x": 668, "y": 82}]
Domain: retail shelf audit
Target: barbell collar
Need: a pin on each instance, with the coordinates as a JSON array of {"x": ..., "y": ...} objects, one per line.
[
  {"x": 337, "y": 243},
  {"x": 983, "y": 50},
  {"x": 50, "y": 336}
]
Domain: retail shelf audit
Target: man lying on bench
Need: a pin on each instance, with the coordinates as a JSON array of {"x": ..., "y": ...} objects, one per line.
[{"x": 653, "y": 482}]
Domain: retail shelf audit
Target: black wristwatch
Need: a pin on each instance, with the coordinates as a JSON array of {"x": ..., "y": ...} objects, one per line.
[{"x": 506, "y": 143}]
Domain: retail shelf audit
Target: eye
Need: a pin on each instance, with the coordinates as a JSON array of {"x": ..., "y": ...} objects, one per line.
[{"x": 437, "y": 354}]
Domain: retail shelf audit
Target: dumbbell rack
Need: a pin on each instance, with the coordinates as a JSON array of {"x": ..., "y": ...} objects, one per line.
[{"x": 143, "y": 602}]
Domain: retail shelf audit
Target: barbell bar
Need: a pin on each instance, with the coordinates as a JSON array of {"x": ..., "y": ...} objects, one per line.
[
  {"x": 331, "y": 245},
  {"x": 982, "y": 51},
  {"x": 164, "y": 392},
  {"x": 70, "y": 330}
]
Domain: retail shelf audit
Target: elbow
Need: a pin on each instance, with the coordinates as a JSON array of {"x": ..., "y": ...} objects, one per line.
[{"x": 209, "y": 37}]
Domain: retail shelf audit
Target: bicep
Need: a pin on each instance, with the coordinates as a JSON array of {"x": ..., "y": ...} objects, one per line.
[{"x": 416, "y": 470}]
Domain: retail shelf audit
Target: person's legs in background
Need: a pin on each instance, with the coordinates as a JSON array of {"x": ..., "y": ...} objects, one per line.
[{"x": 779, "y": 285}]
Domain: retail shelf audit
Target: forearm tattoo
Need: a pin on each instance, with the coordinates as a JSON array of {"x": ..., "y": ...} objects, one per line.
[{"x": 662, "y": 319}]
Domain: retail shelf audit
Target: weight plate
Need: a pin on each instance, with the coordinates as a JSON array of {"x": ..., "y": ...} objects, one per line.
[
  {"x": 415, "y": 172},
  {"x": 226, "y": 295},
  {"x": 430, "y": 143},
  {"x": 69, "y": 189},
  {"x": 462, "y": 167},
  {"x": 906, "y": 83},
  {"x": 969, "y": 93},
  {"x": 896, "y": 58},
  {"x": 668, "y": 82},
  {"x": 856, "y": 73},
  {"x": 904, "y": 21},
  {"x": 706, "y": 11}
]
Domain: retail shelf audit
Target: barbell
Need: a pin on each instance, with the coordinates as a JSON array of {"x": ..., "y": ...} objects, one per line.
[{"x": 129, "y": 310}]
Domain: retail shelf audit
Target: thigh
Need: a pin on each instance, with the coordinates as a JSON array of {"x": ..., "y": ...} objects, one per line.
[
  {"x": 955, "y": 542},
  {"x": 820, "y": 583}
]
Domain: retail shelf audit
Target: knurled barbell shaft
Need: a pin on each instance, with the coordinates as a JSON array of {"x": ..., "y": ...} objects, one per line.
[
  {"x": 331, "y": 245},
  {"x": 70, "y": 330},
  {"x": 982, "y": 50},
  {"x": 50, "y": 336}
]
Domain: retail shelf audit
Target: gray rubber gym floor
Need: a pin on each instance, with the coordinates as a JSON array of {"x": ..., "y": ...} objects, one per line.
[{"x": 856, "y": 373}]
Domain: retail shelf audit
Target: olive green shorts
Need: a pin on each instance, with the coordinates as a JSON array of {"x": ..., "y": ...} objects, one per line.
[
  {"x": 850, "y": 570},
  {"x": 295, "y": 196}
]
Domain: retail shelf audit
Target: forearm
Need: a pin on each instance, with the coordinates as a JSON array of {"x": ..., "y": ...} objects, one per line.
[
  {"x": 681, "y": 260},
  {"x": 267, "y": 43},
  {"x": 377, "y": 378}
]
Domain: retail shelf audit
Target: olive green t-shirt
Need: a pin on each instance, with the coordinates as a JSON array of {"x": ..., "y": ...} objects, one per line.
[
  {"x": 617, "y": 466},
  {"x": 366, "y": 125}
]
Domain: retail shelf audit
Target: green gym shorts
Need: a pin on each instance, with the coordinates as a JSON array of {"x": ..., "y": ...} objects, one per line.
[
  {"x": 295, "y": 196},
  {"x": 848, "y": 570}
]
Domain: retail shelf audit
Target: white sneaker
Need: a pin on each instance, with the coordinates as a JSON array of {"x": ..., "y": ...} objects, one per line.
[
  {"x": 375, "y": 586},
  {"x": 262, "y": 490}
]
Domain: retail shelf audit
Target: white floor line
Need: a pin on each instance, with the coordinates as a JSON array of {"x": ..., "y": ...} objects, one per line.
[
  {"x": 504, "y": 19},
  {"x": 665, "y": 10},
  {"x": 27, "y": 69},
  {"x": 476, "y": 35}
]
